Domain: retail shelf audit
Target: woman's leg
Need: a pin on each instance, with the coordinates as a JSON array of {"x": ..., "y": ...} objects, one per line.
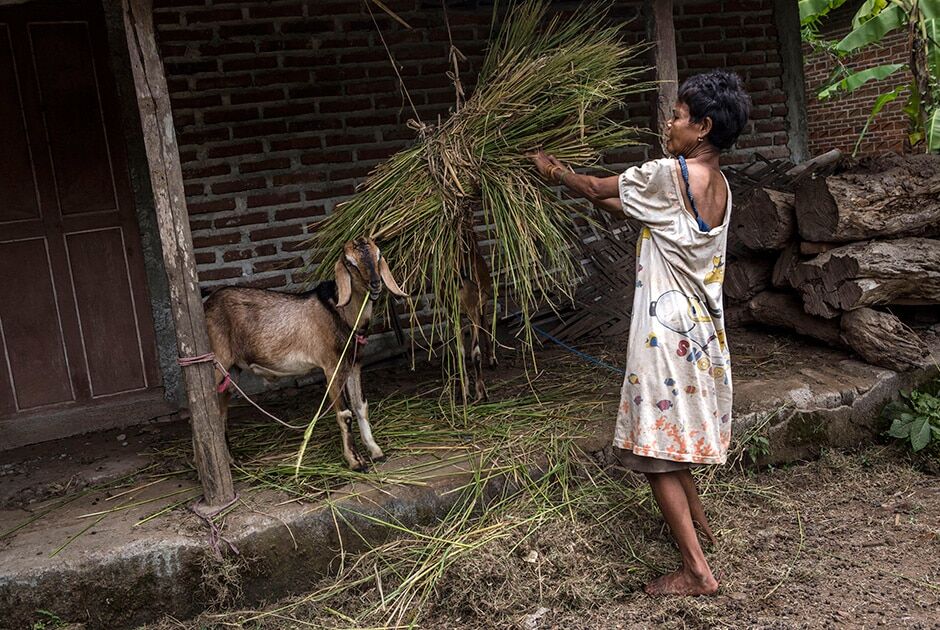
[
  {"x": 695, "y": 577},
  {"x": 695, "y": 505}
]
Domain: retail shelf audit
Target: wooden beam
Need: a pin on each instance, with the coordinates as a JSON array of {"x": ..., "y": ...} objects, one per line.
[
  {"x": 166, "y": 179},
  {"x": 787, "y": 21},
  {"x": 661, "y": 33}
]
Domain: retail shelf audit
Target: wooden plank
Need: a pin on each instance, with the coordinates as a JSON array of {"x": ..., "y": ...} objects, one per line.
[
  {"x": 662, "y": 34},
  {"x": 210, "y": 450}
]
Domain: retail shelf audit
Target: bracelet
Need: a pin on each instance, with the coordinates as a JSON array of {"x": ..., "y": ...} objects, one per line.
[
  {"x": 551, "y": 172},
  {"x": 561, "y": 178}
]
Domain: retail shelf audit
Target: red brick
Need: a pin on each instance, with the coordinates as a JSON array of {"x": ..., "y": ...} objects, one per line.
[
  {"x": 276, "y": 232},
  {"x": 326, "y": 157},
  {"x": 259, "y": 130},
  {"x": 200, "y": 242},
  {"x": 242, "y": 254},
  {"x": 241, "y": 219},
  {"x": 206, "y": 207},
  {"x": 298, "y": 178},
  {"x": 205, "y": 258},
  {"x": 230, "y": 115},
  {"x": 207, "y": 171},
  {"x": 308, "y": 142},
  {"x": 224, "y": 81},
  {"x": 237, "y": 185},
  {"x": 256, "y": 96},
  {"x": 277, "y": 265},
  {"x": 334, "y": 191},
  {"x": 223, "y": 273},
  {"x": 185, "y": 35},
  {"x": 213, "y": 15},
  {"x": 264, "y": 165},
  {"x": 299, "y": 213},
  {"x": 273, "y": 282},
  {"x": 250, "y": 63},
  {"x": 244, "y": 148},
  {"x": 273, "y": 199},
  {"x": 276, "y": 11}
]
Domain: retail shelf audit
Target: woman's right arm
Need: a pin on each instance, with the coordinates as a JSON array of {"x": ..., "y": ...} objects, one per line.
[{"x": 603, "y": 192}]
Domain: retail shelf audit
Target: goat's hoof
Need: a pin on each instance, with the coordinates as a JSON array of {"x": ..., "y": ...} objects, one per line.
[{"x": 381, "y": 458}]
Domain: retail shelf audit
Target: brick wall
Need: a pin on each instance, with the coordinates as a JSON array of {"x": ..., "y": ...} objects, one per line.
[
  {"x": 740, "y": 36},
  {"x": 283, "y": 106},
  {"x": 836, "y": 123}
]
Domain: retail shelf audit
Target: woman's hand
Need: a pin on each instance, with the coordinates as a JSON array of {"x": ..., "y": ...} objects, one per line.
[{"x": 548, "y": 165}]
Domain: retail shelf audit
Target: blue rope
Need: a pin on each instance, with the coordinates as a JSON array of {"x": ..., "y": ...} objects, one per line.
[
  {"x": 577, "y": 352},
  {"x": 688, "y": 191}
]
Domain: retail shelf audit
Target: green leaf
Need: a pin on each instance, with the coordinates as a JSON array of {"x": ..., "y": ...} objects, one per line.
[
  {"x": 894, "y": 409},
  {"x": 857, "y": 79},
  {"x": 869, "y": 9},
  {"x": 932, "y": 33},
  {"x": 930, "y": 9},
  {"x": 920, "y": 434},
  {"x": 882, "y": 100},
  {"x": 812, "y": 10},
  {"x": 933, "y": 129},
  {"x": 900, "y": 429},
  {"x": 873, "y": 30}
]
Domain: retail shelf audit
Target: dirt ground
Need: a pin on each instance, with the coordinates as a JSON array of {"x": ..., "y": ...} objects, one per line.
[{"x": 851, "y": 540}]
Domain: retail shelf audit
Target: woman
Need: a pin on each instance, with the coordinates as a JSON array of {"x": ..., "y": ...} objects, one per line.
[{"x": 675, "y": 408}]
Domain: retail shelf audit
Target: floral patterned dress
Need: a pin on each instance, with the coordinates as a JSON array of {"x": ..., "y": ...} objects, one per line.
[{"x": 675, "y": 403}]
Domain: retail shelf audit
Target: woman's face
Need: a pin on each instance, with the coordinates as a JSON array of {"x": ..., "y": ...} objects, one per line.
[{"x": 682, "y": 135}]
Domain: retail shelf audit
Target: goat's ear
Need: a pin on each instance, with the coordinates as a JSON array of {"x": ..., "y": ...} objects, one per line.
[
  {"x": 389, "y": 280},
  {"x": 343, "y": 283}
]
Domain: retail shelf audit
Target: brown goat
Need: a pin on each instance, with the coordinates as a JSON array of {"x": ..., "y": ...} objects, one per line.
[
  {"x": 475, "y": 291},
  {"x": 279, "y": 334}
]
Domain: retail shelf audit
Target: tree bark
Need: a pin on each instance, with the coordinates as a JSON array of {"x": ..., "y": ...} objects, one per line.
[
  {"x": 746, "y": 277},
  {"x": 882, "y": 339},
  {"x": 890, "y": 196},
  {"x": 166, "y": 179},
  {"x": 785, "y": 310},
  {"x": 764, "y": 219},
  {"x": 903, "y": 271}
]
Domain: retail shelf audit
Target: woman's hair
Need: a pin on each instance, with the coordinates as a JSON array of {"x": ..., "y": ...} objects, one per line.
[{"x": 718, "y": 95}]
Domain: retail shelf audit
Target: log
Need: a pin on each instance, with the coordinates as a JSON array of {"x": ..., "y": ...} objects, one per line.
[
  {"x": 736, "y": 315},
  {"x": 824, "y": 160},
  {"x": 166, "y": 179},
  {"x": 785, "y": 310},
  {"x": 764, "y": 219},
  {"x": 746, "y": 277},
  {"x": 902, "y": 271},
  {"x": 882, "y": 339},
  {"x": 809, "y": 248},
  {"x": 786, "y": 262},
  {"x": 891, "y": 196}
]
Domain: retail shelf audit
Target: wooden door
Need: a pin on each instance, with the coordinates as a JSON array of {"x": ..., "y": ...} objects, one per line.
[{"x": 75, "y": 325}]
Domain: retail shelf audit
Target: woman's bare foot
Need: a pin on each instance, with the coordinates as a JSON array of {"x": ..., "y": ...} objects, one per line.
[{"x": 682, "y": 582}]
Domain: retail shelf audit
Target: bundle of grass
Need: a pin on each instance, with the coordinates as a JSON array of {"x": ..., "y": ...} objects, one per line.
[{"x": 548, "y": 83}]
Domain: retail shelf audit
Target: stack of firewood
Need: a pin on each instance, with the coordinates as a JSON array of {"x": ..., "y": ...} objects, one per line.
[{"x": 830, "y": 257}]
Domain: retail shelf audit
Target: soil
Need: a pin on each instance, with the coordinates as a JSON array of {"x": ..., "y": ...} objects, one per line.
[{"x": 851, "y": 540}]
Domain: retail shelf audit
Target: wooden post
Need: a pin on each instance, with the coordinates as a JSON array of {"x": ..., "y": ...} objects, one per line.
[
  {"x": 166, "y": 178},
  {"x": 661, "y": 33}
]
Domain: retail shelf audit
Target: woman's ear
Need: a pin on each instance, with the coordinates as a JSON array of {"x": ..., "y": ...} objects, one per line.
[
  {"x": 343, "y": 283},
  {"x": 707, "y": 125}
]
